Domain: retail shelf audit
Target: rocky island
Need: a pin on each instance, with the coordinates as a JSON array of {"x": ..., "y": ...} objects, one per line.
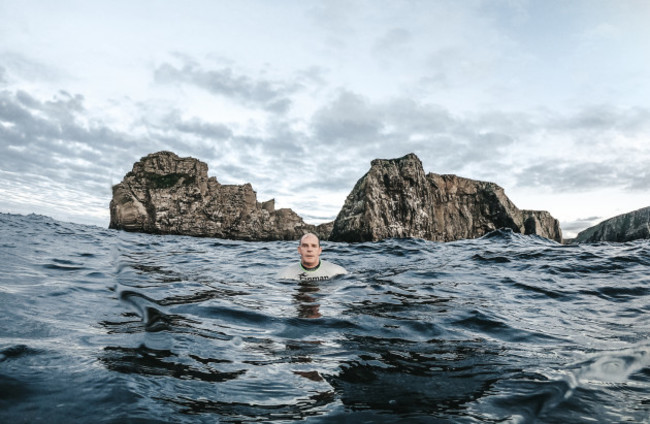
[
  {"x": 166, "y": 194},
  {"x": 396, "y": 199}
]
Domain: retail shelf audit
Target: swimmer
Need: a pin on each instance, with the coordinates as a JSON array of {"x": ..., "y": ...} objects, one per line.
[{"x": 310, "y": 267}]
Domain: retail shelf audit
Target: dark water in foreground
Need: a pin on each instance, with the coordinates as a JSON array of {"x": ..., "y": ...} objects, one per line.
[{"x": 100, "y": 326}]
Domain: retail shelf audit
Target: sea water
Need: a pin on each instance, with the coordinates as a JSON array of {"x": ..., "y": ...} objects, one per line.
[{"x": 103, "y": 326}]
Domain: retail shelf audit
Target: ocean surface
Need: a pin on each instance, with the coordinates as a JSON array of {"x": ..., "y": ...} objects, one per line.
[{"x": 103, "y": 326}]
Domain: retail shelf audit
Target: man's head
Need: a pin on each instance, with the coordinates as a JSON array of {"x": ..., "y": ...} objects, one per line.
[{"x": 310, "y": 250}]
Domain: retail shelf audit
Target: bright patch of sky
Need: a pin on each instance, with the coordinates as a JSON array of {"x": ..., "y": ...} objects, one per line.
[{"x": 547, "y": 98}]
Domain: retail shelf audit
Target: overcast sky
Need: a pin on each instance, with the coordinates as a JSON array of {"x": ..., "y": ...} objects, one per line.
[{"x": 547, "y": 98}]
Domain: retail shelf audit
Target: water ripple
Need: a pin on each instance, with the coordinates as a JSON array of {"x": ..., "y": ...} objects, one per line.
[{"x": 106, "y": 326}]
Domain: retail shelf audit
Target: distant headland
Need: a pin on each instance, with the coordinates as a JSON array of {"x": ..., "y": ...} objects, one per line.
[
  {"x": 629, "y": 226},
  {"x": 167, "y": 194}
]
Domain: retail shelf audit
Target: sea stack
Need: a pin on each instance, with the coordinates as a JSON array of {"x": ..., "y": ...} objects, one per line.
[
  {"x": 166, "y": 194},
  {"x": 396, "y": 199}
]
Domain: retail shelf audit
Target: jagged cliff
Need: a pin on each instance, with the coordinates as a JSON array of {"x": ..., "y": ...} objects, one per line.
[
  {"x": 396, "y": 199},
  {"x": 626, "y": 227},
  {"x": 166, "y": 194}
]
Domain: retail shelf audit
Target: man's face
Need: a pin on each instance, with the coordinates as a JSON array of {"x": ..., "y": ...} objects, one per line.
[{"x": 309, "y": 251}]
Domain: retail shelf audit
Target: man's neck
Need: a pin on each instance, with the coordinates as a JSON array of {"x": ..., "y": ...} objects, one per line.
[{"x": 310, "y": 268}]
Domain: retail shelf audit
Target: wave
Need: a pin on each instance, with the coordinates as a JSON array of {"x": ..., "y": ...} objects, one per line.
[{"x": 125, "y": 327}]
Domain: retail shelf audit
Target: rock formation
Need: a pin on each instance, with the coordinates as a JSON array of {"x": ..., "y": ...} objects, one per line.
[
  {"x": 626, "y": 227},
  {"x": 166, "y": 194},
  {"x": 396, "y": 199}
]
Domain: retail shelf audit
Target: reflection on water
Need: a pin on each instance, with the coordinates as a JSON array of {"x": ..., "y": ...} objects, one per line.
[
  {"x": 306, "y": 300},
  {"x": 146, "y": 361},
  {"x": 111, "y": 327}
]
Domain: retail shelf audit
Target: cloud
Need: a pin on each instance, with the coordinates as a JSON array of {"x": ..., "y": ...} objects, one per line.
[
  {"x": 349, "y": 118},
  {"x": 593, "y": 148},
  {"x": 335, "y": 16},
  {"x": 54, "y": 139},
  {"x": 67, "y": 158},
  {"x": 583, "y": 175},
  {"x": 599, "y": 120},
  {"x": 567, "y": 176},
  {"x": 18, "y": 66},
  {"x": 570, "y": 227},
  {"x": 639, "y": 180},
  {"x": 401, "y": 125},
  {"x": 340, "y": 178},
  {"x": 393, "y": 41},
  {"x": 194, "y": 126},
  {"x": 269, "y": 95}
]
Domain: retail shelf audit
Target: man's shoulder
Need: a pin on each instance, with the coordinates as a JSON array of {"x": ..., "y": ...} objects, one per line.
[
  {"x": 330, "y": 267},
  {"x": 290, "y": 271}
]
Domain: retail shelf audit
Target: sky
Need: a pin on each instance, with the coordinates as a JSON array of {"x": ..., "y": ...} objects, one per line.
[{"x": 550, "y": 99}]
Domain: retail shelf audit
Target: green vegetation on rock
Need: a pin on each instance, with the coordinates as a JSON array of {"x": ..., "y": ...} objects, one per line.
[{"x": 168, "y": 180}]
